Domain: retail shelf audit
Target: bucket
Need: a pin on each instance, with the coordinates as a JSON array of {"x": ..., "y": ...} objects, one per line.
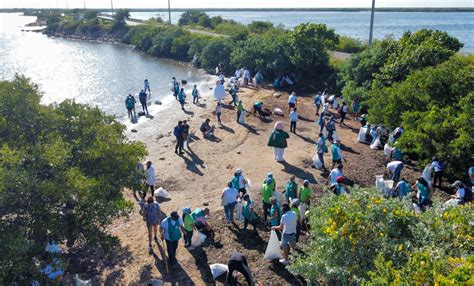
[{"x": 379, "y": 183}]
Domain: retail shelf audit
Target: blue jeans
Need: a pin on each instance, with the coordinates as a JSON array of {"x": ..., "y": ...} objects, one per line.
[
  {"x": 229, "y": 211},
  {"x": 396, "y": 173}
]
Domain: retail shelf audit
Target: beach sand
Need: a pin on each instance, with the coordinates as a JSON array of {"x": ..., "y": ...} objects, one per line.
[{"x": 197, "y": 178}]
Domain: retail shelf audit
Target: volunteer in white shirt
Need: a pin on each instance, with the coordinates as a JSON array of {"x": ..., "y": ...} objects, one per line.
[
  {"x": 229, "y": 200},
  {"x": 150, "y": 178},
  {"x": 287, "y": 225},
  {"x": 292, "y": 102},
  {"x": 334, "y": 174},
  {"x": 395, "y": 169},
  {"x": 293, "y": 120}
]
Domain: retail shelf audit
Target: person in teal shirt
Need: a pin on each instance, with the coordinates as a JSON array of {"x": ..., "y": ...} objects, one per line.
[
  {"x": 275, "y": 212},
  {"x": 171, "y": 229},
  {"x": 181, "y": 98},
  {"x": 195, "y": 94},
  {"x": 424, "y": 192},
  {"x": 248, "y": 212},
  {"x": 336, "y": 154},
  {"x": 291, "y": 189}
]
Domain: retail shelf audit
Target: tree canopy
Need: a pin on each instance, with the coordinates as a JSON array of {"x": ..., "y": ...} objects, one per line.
[{"x": 63, "y": 169}]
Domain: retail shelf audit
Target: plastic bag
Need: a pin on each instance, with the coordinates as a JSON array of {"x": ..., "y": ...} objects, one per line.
[
  {"x": 316, "y": 162},
  {"x": 335, "y": 136},
  {"x": 379, "y": 183},
  {"x": 162, "y": 193},
  {"x": 238, "y": 212},
  {"x": 362, "y": 137},
  {"x": 387, "y": 150},
  {"x": 277, "y": 195},
  {"x": 218, "y": 269},
  {"x": 273, "y": 248},
  {"x": 248, "y": 184},
  {"x": 277, "y": 111},
  {"x": 198, "y": 239},
  {"x": 375, "y": 144},
  {"x": 427, "y": 173},
  {"x": 242, "y": 117},
  {"x": 302, "y": 209}
]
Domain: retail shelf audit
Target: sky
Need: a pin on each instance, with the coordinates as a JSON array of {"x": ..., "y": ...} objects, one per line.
[{"x": 231, "y": 4}]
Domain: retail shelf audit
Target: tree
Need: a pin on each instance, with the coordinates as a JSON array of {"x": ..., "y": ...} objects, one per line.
[
  {"x": 121, "y": 15},
  {"x": 216, "y": 51},
  {"x": 62, "y": 173},
  {"x": 191, "y": 17},
  {"x": 90, "y": 14},
  {"x": 260, "y": 27}
]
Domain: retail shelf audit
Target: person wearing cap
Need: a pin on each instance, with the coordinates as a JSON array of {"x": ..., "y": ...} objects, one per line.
[
  {"x": 336, "y": 153},
  {"x": 248, "y": 212},
  {"x": 291, "y": 188},
  {"x": 278, "y": 141},
  {"x": 337, "y": 187},
  {"x": 171, "y": 229},
  {"x": 335, "y": 173},
  {"x": 238, "y": 262},
  {"x": 229, "y": 200},
  {"x": 438, "y": 168},
  {"x": 151, "y": 215},
  {"x": 268, "y": 187},
  {"x": 321, "y": 148},
  {"x": 188, "y": 222},
  {"x": 292, "y": 101},
  {"x": 294, "y": 208},
  {"x": 275, "y": 212},
  {"x": 395, "y": 169},
  {"x": 287, "y": 225},
  {"x": 305, "y": 193},
  {"x": 150, "y": 178},
  {"x": 459, "y": 197},
  {"x": 238, "y": 182}
]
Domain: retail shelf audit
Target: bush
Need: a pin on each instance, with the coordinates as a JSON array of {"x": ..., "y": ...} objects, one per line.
[
  {"x": 62, "y": 173},
  {"x": 349, "y": 45},
  {"x": 191, "y": 17},
  {"x": 353, "y": 235},
  {"x": 216, "y": 51},
  {"x": 260, "y": 27}
]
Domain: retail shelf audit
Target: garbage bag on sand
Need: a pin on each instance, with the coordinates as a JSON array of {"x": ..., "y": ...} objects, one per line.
[
  {"x": 316, "y": 163},
  {"x": 273, "y": 248},
  {"x": 219, "y": 92},
  {"x": 362, "y": 137},
  {"x": 387, "y": 150},
  {"x": 376, "y": 144},
  {"x": 218, "y": 269},
  {"x": 427, "y": 173},
  {"x": 242, "y": 117},
  {"x": 335, "y": 136},
  {"x": 198, "y": 239},
  {"x": 277, "y": 111},
  {"x": 162, "y": 193}
]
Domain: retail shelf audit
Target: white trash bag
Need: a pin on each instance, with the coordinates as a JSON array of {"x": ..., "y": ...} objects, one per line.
[
  {"x": 218, "y": 269},
  {"x": 376, "y": 143},
  {"x": 277, "y": 195},
  {"x": 162, "y": 193},
  {"x": 302, "y": 209},
  {"x": 316, "y": 162},
  {"x": 362, "y": 137},
  {"x": 242, "y": 117},
  {"x": 277, "y": 111},
  {"x": 335, "y": 136},
  {"x": 273, "y": 248},
  {"x": 427, "y": 173},
  {"x": 239, "y": 216},
  {"x": 387, "y": 150},
  {"x": 198, "y": 239}
]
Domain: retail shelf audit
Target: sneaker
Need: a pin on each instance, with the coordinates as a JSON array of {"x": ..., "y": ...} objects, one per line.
[{"x": 284, "y": 261}]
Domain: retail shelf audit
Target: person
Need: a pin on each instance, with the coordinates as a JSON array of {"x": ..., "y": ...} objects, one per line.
[
  {"x": 398, "y": 132},
  {"x": 130, "y": 105},
  {"x": 139, "y": 180},
  {"x": 337, "y": 187},
  {"x": 291, "y": 188},
  {"x": 321, "y": 148},
  {"x": 459, "y": 197},
  {"x": 218, "y": 111},
  {"x": 268, "y": 187},
  {"x": 229, "y": 200},
  {"x": 397, "y": 153},
  {"x": 248, "y": 212},
  {"x": 288, "y": 226},
  {"x": 178, "y": 133},
  {"x": 175, "y": 88},
  {"x": 188, "y": 224},
  {"x": 200, "y": 221},
  {"x": 181, "y": 98},
  {"x": 150, "y": 178},
  {"x": 294, "y": 208},
  {"x": 363, "y": 119},
  {"x": 195, "y": 94},
  {"x": 222, "y": 78},
  {"x": 278, "y": 141},
  {"x": 336, "y": 154},
  {"x": 293, "y": 120},
  {"x": 151, "y": 215},
  {"x": 275, "y": 212},
  {"x": 143, "y": 96},
  {"x": 438, "y": 168},
  {"x": 335, "y": 173},
  {"x": 171, "y": 229},
  {"x": 321, "y": 123},
  {"x": 238, "y": 182},
  {"x": 247, "y": 77},
  {"x": 317, "y": 102},
  {"x": 186, "y": 134},
  {"x": 206, "y": 128},
  {"x": 240, "y": 109},
  {"x": 343, "y": 110},
  {"x": 146, "y": 84},
  {"x": 238, "y": 262},
  {"x": 331, "y": 128},
  {"x": 355, "y": 108},
  {"x": 424, "y": 192},
  {"x": 401, "y": 189},
  {"x": 395, "y": 169},
  {"x": 233, "y": 93},
  {"x": 258, "y": 78},
  {"x": 257, "y": 107},
  {"x": 305, "y": 193},
  {"x": 292, "y": 101}
]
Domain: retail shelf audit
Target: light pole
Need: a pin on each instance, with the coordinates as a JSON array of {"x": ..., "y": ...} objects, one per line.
[
  {"x": 169, "y": 12},
  {"x": 85, "y": 4},
  {"x": 372, "y": 23},
  {"x": 112, "y": 6}
]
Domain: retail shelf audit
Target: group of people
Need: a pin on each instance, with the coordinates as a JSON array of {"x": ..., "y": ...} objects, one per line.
[{"x": 143, "y": 96}]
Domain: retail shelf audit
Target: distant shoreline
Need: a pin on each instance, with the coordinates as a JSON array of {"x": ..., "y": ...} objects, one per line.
[{"x": 381, "y": 9}]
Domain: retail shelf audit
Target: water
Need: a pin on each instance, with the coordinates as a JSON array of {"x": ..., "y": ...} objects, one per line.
[
  {"x": 355, "y": 24},
  {"x": 98, "y": 74}
]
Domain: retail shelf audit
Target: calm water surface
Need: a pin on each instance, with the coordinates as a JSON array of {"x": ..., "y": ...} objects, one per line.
[
  {"x": 94, "y": 73},
  {"x": 356, "y": 24}
]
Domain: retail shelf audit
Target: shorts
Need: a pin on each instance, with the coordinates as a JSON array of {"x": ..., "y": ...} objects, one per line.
[
  {"x": 291, "y": 105},
  {"x": 288, "y": 240},
  {"x": 337, "y": 161},
  {"x": 129, "y": 108},
  {"x": 243, "y": 191}
]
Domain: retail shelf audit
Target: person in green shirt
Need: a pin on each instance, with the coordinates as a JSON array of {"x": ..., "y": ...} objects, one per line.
[
  {"x": 188, "y": 226},
  {"x": 291, "y": 189},
  {"x": 240, "y": 108},
  {"x": 278, "y": 141},
  {"x": 294, "y": 207},
  {"x": 248, "y": 212},
  {"x": 268, "y": 187},
  {"x": 305, "y": 193},
  {"x": 275, "y": 212}
]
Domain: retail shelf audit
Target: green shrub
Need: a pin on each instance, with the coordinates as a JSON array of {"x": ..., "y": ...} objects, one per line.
[
  {"x": 260, "y": 27},
  {"x": 216, "y": 51},
  {"x": 351, "y": 236},
  {"x": 349, "y": 45}
]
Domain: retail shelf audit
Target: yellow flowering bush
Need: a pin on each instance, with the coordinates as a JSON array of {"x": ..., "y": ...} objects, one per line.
[{"x": 354, "y": 237}]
